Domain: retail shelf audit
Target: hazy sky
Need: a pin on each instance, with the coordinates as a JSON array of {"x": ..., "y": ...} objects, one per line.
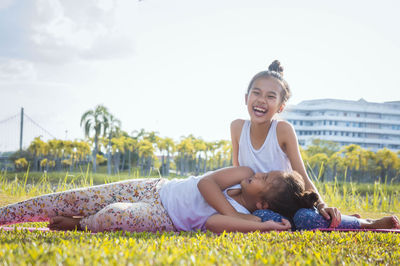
[{"x": 181, "y": 67}]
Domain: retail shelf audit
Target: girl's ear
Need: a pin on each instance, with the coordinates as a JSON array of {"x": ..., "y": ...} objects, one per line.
[
  {"x": 281, "y": 108},
  {"x": 262, "y": 205},
  {"x": 245, "y": 98}
]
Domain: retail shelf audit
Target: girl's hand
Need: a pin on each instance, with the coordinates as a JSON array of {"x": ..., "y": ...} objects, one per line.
[
  {"x": 330, "y": 213},
  {"x": 271, "y": 225}
]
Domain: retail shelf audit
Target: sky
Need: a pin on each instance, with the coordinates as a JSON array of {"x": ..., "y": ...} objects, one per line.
[{"x": 181, "y": 67}]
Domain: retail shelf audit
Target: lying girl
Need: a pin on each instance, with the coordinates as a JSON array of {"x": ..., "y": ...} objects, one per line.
[
  {"x": 218, "y": 201},
  {"x": 168, "y": 205}
]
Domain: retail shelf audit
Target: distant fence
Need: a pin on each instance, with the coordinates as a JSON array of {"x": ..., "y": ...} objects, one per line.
[
  {"x": 18, "y": 130},
  {"x": 6, "y": 164}
]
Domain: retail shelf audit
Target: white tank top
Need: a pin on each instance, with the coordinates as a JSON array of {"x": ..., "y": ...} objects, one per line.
[
  {"x": 269, "y": 157},
  {"x": 186, "y": 206}
]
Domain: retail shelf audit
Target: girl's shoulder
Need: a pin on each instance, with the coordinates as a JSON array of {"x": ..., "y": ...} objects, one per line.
[
  {"x": 237, "y": 125},
  {"x": 283, "y": 125},
  {"x": 284, "y": 130}
]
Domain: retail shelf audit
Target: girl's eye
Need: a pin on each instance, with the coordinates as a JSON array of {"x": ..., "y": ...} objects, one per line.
[
  {"x": 256, "y": 93},
  {"x": 271, "y": 97}
]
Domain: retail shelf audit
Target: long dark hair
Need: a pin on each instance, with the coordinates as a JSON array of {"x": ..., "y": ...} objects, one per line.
[{"x": 289, "y": 195}]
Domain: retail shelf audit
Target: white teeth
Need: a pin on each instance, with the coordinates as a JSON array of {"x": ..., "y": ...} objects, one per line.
[{"x": 258, "y": 109}]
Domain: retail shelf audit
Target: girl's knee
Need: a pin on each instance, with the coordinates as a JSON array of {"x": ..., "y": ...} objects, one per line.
[{"x": 308, "y": 219}]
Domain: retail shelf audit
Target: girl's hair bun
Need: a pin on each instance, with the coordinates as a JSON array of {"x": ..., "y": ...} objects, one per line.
[
  {"x": 276, "y": 66},
  {"x": 309, "y": 199}
]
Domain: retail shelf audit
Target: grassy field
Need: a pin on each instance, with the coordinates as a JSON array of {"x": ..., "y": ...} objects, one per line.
[{"x": 21, "y": 247}]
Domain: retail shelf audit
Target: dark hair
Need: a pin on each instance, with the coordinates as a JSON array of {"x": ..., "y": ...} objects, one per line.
[
  {"x": 289, "y": 195},
  {"x": 275, "y": 70}
]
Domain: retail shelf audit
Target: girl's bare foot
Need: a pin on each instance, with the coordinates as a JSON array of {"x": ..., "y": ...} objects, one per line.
[
  {"x": 388, "y": 222},
  {"x": 64, "y": 223}
]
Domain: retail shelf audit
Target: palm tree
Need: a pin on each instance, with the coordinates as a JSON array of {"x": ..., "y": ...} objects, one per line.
[
  {"x": 226, "y": 151},
  {"x": 146, "y": 152},
  {"x": 95, "y": 121},
  {"x": 168, "y": 145},
  {"x": 37, "y": 149},
  {"x": 55, "y": 150},
  {"x": 118, "y": 147},
  {"x": 186, "y": 149},
  {"x": 112, "y": 126},
  {"x": 199, "y": 147},
  {"x": 209, "y": 148},
  {"x": 130, "y": 145}
]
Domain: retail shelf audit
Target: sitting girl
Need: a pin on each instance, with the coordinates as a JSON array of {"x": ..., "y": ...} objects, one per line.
[
  {"x": 170, "y": 205},
  {"x": 264, "y": 143}
]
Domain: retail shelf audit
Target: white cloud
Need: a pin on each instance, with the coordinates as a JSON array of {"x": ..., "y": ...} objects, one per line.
[
  {"x": 16, "y": 70},
  {"x": 63, "y": 31}
]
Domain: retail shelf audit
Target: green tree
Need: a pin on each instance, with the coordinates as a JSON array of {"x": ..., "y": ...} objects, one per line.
[
  {"x": 337, "y": 163},
  {"x": 386, "y": 160},
  {"x": 352, "y": 154},
  {"x": 94, "y": 123},
  {"x": 322, "y": 146}
]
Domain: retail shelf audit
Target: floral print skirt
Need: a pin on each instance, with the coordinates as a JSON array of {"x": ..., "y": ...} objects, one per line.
[{"x": 132, "y": 205}]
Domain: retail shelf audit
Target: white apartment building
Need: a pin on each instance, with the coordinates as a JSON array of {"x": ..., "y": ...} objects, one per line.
[{"x": 371, "y": 125}]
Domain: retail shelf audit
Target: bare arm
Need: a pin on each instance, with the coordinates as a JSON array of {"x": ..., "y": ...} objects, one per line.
[
  {"x": 212, "y": 185},
  {"x": 288, "y": 141},
  {"x": 219, "y": 223},
  {"x": 236, "y": 130}
]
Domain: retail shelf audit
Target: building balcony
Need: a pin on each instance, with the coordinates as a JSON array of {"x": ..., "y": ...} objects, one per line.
[
  {"x": 350, "y": 130},
  {"x": 351, "y": 119}
]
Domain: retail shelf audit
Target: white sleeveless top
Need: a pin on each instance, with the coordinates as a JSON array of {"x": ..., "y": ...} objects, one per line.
[
  {"x": 186, "y": 206},
  {"x": 269, "y": 157}
]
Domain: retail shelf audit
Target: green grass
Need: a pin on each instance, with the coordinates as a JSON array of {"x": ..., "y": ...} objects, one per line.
[{"x": 21, "y": 247}]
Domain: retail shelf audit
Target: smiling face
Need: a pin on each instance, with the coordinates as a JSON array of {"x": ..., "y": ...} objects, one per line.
[
  {"x": 259, "y": 184},
  {"x": 264, "y": 99}
]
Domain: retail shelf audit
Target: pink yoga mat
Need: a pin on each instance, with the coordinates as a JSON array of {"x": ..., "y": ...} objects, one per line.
[
  {"x": 45, "y": 229},
  {"x": 6, "y": 228},
  {"x": 358, "y": 230}
]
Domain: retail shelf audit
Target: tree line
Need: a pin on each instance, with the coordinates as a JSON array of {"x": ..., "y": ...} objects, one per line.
[
  {"x": 107, "y": 144},
  {"x": 327, "y": 160}
]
